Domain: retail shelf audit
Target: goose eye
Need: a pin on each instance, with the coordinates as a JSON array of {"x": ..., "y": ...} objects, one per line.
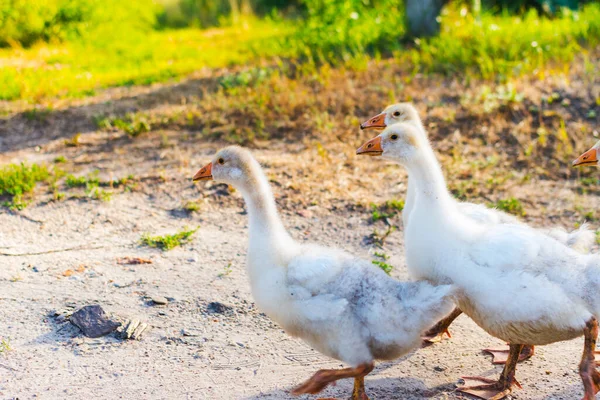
[
  {"x": 221, "y": 161},
  {"x": 394, "y": 137},
  {"x": 397, "y": 114}
]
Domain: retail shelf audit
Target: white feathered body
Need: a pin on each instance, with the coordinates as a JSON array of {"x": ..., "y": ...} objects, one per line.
[
  {"x": 344, "y": 307},
  {"x": 514, "y": 281},
  {"x": 581, "y": 239}
]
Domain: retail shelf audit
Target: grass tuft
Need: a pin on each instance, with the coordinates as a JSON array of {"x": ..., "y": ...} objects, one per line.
[
  {"x": 192, "y": 206},
  {"x": 19, "y": 180},
  {"x": 168, "y": 242},
  {"x": 511, "y": 206},
  {"x": 5, "y": 346},
  {"x": 381, "y": 263},
  {"x": 387, "y": 210}
]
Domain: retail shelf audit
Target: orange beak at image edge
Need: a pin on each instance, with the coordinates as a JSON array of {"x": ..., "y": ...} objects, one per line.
[{"x": 590, "y": 157}]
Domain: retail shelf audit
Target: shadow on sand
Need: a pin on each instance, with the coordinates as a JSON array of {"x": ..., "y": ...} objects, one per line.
[{"x": 28, "y": 129}]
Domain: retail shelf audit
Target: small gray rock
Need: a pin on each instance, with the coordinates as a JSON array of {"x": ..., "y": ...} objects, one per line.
[
  {"x": 160, "y": 300},
  {"x": 218, "y": 308},
  {"x": 93, "y": 322}
]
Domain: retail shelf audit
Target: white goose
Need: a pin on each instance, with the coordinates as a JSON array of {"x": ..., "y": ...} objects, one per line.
[
  {"x": 580, "y": 239},
  {"x": 516, "y": 283},
  {"x": 344, "y": 307}
]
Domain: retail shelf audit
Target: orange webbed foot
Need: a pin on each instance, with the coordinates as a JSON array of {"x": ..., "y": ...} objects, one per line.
[{"x": 491, "y": 389}]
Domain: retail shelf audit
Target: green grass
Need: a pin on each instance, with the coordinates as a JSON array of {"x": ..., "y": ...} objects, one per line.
[
  {"x": 78, "y": 69},
  {"x": 511, "y": 206},
  {"x": 226, "y": 271},
  {"x": 381, "y": 263},
  {"x": 192, "y": 206},
  {"x": 168, "y": 242},
  {"x": 89, "y": 182},
  {"x": 19, "y": 181},
  {"x": 92, "y": 184},
  {"x": 132, "y": 124},
  {"x": 389, "y": 209},
  {"x": 99, "y": 194},
  {"x": 490, "y": 47},
  {"x": 5, "y": 346},
  {"x": 507, "y": 45},
  {"x": 589, "y": 181}
]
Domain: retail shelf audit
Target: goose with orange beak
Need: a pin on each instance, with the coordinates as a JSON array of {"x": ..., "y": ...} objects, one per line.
[
  {"x": 400, "y": 112},
  {"x": 581, "y": 239},
  {"x": 344, "y": 307},
  {"x": 590, "y": 157},
  {"x": 516, "y": 282}
]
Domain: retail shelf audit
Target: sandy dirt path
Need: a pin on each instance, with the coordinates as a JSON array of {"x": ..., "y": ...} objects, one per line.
[
  {"x": 191, "y": 351},
  {"x": 210, "y": 341}
]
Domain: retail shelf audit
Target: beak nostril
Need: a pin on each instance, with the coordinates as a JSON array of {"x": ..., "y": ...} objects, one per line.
[{"x": 370, "y": 145}]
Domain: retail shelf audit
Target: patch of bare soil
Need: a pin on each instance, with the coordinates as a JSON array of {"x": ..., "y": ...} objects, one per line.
[{"x": 209, "y": 341}]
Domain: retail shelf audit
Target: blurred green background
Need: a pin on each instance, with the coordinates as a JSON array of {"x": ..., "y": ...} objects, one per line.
[{"x": 72, "y": 48}]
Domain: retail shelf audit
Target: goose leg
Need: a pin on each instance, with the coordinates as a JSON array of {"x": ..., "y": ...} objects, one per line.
[
  {"x": 587, "y": 367},
  {"x": 492, "y": 389},
  {"x": 436, "y": 332},
  {"x": 324, "y": 377},
  {"x": 359, "y": 389},
  {"x": 500, "y": 356}
]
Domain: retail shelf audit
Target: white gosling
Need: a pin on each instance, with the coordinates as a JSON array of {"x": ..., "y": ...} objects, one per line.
[
  {"x": 344, "y": 307},
  {"x": 580, "y": 239},
  {"x": 515, "y": 282}
]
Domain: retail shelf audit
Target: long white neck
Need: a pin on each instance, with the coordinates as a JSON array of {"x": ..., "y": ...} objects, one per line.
[
  {"x": 269, "y": 242},
  {"x": 410, "y": 189},
  {"x": 429, "y": 186},
  {"x": 409, "y": 203}
]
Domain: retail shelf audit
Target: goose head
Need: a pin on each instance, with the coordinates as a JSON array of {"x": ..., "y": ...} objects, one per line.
[
  {"x": 401, "y": 142},
  {"x": 232, "y": 165},
  {"x": 401, "y": 112},
  {"x": 590, "y": 157}
]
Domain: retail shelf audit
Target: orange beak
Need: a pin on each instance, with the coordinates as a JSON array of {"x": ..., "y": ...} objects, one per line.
[
  {"x": 590, "y": 157},
  {"x": 371, "y": 148},
  {"x": 376, "y": 122},
  {"x": 205, "y": 174}
]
